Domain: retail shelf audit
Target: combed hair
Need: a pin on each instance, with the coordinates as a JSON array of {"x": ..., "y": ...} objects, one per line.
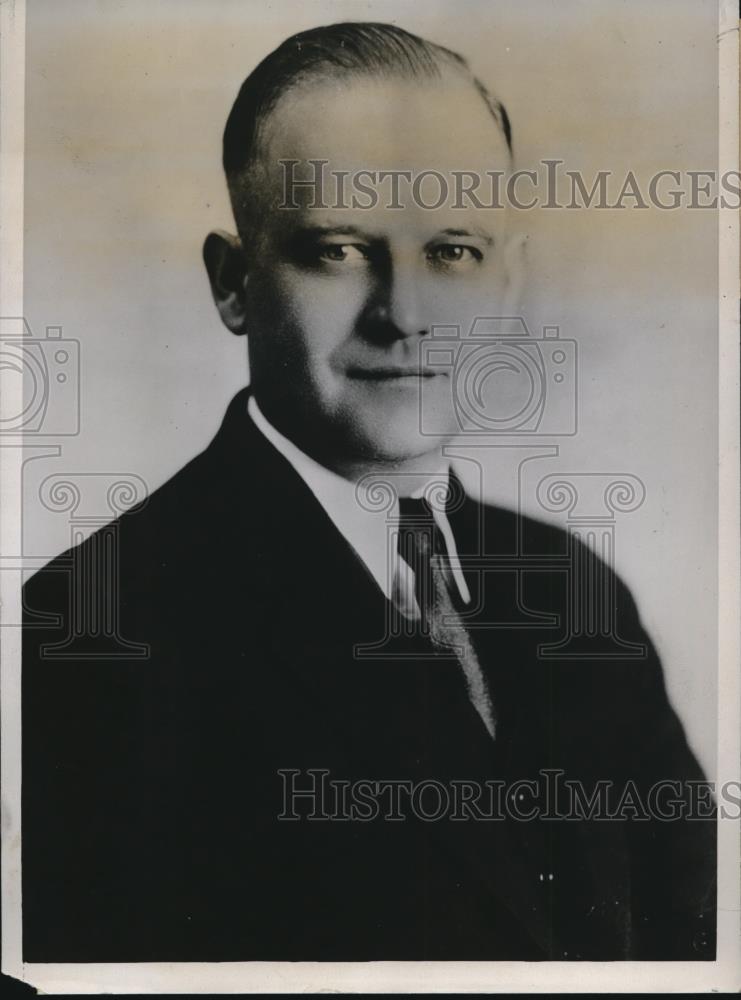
[{"x": 357, "y": 48}]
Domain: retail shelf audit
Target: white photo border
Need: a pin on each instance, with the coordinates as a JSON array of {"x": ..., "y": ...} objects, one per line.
[{"x": 374, "y": 977}]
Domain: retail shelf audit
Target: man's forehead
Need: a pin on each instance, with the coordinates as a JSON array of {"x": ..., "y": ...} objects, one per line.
[{"x": 362, "y": 123}]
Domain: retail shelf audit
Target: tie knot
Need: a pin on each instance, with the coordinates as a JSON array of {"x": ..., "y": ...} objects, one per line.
[
  {"x": 417, "y": 528},
  {"x": 415, "y": 510}
]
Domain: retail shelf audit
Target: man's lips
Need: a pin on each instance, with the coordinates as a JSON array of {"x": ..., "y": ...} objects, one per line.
[{"x": 385, "y": 373}]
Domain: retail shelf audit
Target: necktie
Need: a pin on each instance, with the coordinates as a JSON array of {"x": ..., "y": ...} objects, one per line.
[{"x": 421, "y": 545}]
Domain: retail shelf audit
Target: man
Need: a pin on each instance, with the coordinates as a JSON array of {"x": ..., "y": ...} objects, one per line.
[{"x": 301, "y": 637}]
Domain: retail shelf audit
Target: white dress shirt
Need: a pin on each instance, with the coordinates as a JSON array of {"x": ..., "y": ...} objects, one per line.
[{"x": 355, "y": 512}]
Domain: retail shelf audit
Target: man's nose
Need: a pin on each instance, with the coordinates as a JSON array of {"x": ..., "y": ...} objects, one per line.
[{"x": 397, "y": 305}]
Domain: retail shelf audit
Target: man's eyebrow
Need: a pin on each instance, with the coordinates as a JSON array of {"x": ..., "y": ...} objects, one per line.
[
  {"x": 475, "y": 231},
  {"x": 330, "y": 229},
  {"x": 309, "y": 232}
]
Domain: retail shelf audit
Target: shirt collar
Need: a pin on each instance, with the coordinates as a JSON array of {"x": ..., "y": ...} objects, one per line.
[{"x": 358, "y": 510}]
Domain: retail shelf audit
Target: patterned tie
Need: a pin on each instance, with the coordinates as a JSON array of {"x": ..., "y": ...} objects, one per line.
[{"x": 421, "y": 545}]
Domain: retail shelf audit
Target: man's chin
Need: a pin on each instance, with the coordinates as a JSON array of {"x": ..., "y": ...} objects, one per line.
[{"x": 394, "y": 448}]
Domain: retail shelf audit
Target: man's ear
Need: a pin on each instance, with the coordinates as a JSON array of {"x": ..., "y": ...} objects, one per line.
[
  {"x": 227, "y": 272},
  {"x": 515, "y": 265}
]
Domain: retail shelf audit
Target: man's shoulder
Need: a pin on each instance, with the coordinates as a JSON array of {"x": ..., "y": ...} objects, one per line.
[
  {"x": 199, "y": 497},
  {"x": 148, "y": 527},
  {"x": 558, "y": 568},
  {"x": 509, "y": 530},
  {"x": 230, "y": 510}
]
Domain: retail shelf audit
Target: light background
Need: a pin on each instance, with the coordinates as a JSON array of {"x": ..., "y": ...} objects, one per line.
[{"x": 126, "y": 102}]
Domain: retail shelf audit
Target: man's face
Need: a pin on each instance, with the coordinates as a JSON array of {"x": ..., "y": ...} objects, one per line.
[{"x": 340, "y": 300}]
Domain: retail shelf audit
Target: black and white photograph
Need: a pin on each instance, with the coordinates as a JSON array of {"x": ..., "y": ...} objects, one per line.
[{"x": 370, "y": 455}]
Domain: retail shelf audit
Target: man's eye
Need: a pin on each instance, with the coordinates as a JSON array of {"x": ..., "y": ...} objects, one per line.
[
  {"x": 342, "y": 253},
  {"x": 454, "y": 253}
]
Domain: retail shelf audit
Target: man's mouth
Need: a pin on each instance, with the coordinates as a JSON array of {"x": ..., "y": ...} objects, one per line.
[{"x": 390, "y": 373}]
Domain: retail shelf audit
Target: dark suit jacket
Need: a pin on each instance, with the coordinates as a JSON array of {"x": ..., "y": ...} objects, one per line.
[{"x": 151, "y": 785}]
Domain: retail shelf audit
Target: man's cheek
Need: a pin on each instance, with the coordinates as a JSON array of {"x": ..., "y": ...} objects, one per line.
[
  {"x": 327, "y": 319},
  {"x": 316, "y": 297}
]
